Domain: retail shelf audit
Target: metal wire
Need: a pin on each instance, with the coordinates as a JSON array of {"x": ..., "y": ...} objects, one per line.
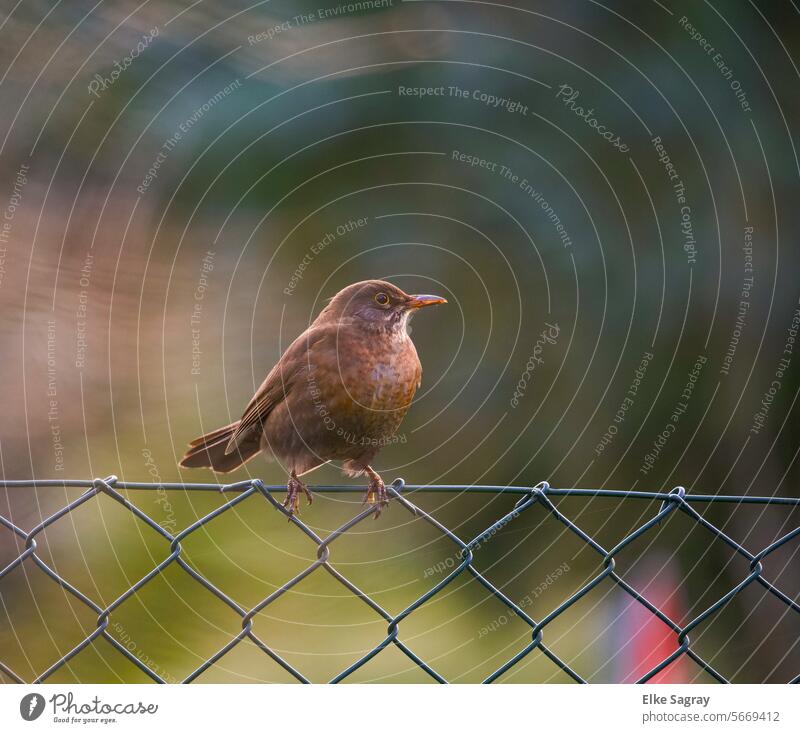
[{"x": 541, "y": 494}]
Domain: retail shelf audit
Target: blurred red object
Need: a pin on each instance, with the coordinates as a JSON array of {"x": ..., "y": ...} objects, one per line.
[{"x": 639, "y": 638}]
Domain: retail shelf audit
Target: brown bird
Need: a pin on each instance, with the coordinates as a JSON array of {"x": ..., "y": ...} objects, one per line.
[{"x": 338, "y": 393}]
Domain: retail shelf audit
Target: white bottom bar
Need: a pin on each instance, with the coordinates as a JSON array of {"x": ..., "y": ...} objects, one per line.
[{"x": 387, "y": 708}]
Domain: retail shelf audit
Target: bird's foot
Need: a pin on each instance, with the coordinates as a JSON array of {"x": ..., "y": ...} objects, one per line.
[
  {"x": 377, "y": 494},
  {"x": 294, "y": 488}
]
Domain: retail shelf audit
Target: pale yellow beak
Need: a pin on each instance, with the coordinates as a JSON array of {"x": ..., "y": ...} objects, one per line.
[{"x": 420, "y": 301}]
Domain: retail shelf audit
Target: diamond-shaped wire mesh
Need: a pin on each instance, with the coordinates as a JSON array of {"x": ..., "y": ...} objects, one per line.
[{"x": 675, "y": 501}]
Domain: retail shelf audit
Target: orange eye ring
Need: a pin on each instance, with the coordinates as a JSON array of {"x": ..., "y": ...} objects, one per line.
[{"x": 382, "y": 299}]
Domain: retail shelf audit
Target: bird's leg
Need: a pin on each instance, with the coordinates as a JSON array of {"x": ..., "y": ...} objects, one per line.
[
  {"x": 294, "y": 488},
  {"x": 376, "y": 491}
]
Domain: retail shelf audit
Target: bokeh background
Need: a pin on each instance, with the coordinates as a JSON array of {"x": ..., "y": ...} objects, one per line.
[{"x": 184, "y": 184}]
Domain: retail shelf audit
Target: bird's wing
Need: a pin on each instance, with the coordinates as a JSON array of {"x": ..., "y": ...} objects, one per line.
[{"x": 275, "y": 387}]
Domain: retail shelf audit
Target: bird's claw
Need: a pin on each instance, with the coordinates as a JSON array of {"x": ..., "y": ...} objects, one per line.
[
  {"x": 377, "y": 494},
  {"x": 294, "y": 488}
]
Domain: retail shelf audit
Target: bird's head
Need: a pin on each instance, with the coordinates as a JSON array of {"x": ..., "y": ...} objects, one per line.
[{"x": 377, "y": 303}]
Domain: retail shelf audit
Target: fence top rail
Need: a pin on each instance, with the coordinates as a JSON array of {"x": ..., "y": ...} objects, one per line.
[{"x": 400, "y": 485}]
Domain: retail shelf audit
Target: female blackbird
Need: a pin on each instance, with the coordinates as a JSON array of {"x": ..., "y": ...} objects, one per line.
[{"x": 338, "y": 393}]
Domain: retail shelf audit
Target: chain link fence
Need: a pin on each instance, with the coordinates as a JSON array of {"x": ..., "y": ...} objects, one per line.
[{"x": 543, "y": 495}]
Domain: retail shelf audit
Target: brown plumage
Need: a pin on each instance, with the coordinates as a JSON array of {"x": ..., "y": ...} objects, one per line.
[{"x": 338, "y": 393}]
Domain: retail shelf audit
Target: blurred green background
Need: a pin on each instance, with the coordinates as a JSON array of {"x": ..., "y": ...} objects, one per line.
[{"x": 168, "y": 173}]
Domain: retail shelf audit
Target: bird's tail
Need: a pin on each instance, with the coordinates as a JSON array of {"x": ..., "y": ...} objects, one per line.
[{"x": 208, "y": 451}]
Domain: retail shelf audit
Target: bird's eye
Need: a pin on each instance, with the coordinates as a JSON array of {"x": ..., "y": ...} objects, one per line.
[{"x": 382, "y": 299}]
